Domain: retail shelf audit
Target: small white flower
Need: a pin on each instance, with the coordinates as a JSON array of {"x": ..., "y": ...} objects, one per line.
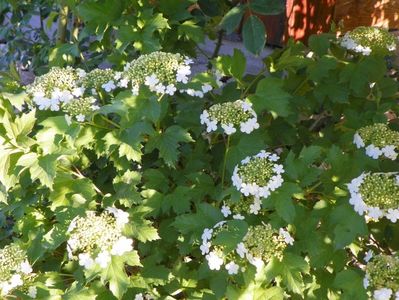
[
  {"x": 78, "y": 92},
  {"x": 391, "y": 47},
  {"x": 389, "y": 152},
  {"x": 16, "y": 280},
  {"x": 211, "y": 126},
  {"x": 123, "y": 83},
  {"x": 121, "y": 246},
  {"x": 232, "y": 268},
  {"x": 151, "y": 81},
  {"x": 109, "y": 86},
  {"x": 238, "y": 217},
  {"x": 103, "y": 259},
  {"x": 214, "y": 261},
  {"x": 205, "y": 248},
  {"x": 85, "y": 260},
  {"x": 207, "y": 234},
  {"x": 54, "y": 104},
  {"x": 366, "y": 282},
  {"x": 204, "y": 117},
  {"x": 32, "y": 291},
  {"x": 135, "y": 90},
  {"x": 139, "y": 297},
  {"x": 225, "y": 211},
  {"x": 373, "y": 151},
  {"x": 42, "y": 102},
  {"x": 80, "y": 118},
  {"x": 188, "y": 61},
  {"x": 375, "y": 212},
  {"x": 287, "y": 237},
  {"x": 368, "y": 256},
  {"x": 206, "y": 88},
  {"x": 229, "y": 128},
  {"x": 160, "y": 88},
  {"x": 190, "y": 92},
  {"x": 241, "y": 250},
  {"x": 382, "y": 294},
  {"x": 279, "y": 169},
  {"x": 121, "y": 216},
  {"x": 255, "y": 261},
  {"x": 170, "y": 89},
  {"x": 393, "y": 215},
  {"x": 26, "y": 268},
  {"x": 5, "y": 288},
  {"x": 199, "y": 94},
  {"x": 81, "y": 72},
  {"x": 358, "y": 141}
]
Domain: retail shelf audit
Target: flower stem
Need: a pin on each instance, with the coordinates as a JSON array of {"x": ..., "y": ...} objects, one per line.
[
  {"x": 110, "y": 122},
  {"x": 225, "y": 159}
]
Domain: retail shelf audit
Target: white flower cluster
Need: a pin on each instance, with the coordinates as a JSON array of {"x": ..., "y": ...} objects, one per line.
[
  {"x": 380, "y": 141},
  {"x": 382, "y": 276},
  {"x": 16, "y": 271},
  {"x": 93, "y": 239},
  {"x": 60, "y": 90},
  {"x": 367, "y": 40},
  {"x": 98, "y": 79},
  {"x": 258, "y": 175},
  {"x": 162, "y": 72},
  {"x": 376, "y": 195},
  {"x": 270, "y": 243},
  {"x": 230, "y": 115}
]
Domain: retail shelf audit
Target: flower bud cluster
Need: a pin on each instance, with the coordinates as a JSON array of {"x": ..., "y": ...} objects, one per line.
[
  {"x": 258, "y": 175},
  {"x": 16, "y": 271},
  {"x": 160, "y": 71},
  {"x": 369, "y": 40},
  {"x": 60, "y": 89},
  {"x": 80, "y": 108},
  {"x": 376, "y": 195},
  {"x": 100, "y": 79},
  {"x": 380, "y": 141},
  {"x": 230, "y": 115},
  {"x": 260, "y": 244},
  {"x": 382, "y": 276},
  {"x": 239, "y": 210},
  {"x": 93, "y": 239},
  {"x": 63, "y": 79}
]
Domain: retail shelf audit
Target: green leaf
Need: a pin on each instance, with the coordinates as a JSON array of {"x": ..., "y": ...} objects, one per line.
[
  {"x": 100, "y": 12},
  {"x": 191, "y": 31},
  {"x": 254, "y": 34},
  {"x": 351, "y": 282},
  {"x": 69, "y": 191},
  {"x": 40, "y": 167},
  {"x": 271, "y": 96},
  {"x": 232, "y": 19},
  {"x": 64, "y": 54},
  {"x": 320, "y": 43},
  {"x": 238, "y": 64},
  {"x": 230, "y": 237},
  {"x": 348, "y": 225},
  {"x": 168, "y": 142},
  {"x": 289, "y": 269},
  {"x": 282, "y": 199},
  {"x": 269, "y": 7},
  {"x": 115, "y": 274}
]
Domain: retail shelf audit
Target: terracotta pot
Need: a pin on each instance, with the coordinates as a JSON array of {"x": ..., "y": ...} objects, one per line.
[{"x": 307, "y": 17}]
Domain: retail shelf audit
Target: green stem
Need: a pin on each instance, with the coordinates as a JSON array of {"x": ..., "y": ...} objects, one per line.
[
  {"x": 110, "y": 122},
  {"x": 95, "y": 125},
  {"x": 62, "y": 23},
  {"x": 243, "y": 95},
  {"x": 225, "y": 159}
]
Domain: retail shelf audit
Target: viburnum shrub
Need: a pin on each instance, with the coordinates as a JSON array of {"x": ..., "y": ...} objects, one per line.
[{"x": 150, "y": 182}]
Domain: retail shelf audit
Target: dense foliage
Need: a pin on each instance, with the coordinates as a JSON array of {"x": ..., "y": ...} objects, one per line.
[{"x": 144, "y": 181}]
